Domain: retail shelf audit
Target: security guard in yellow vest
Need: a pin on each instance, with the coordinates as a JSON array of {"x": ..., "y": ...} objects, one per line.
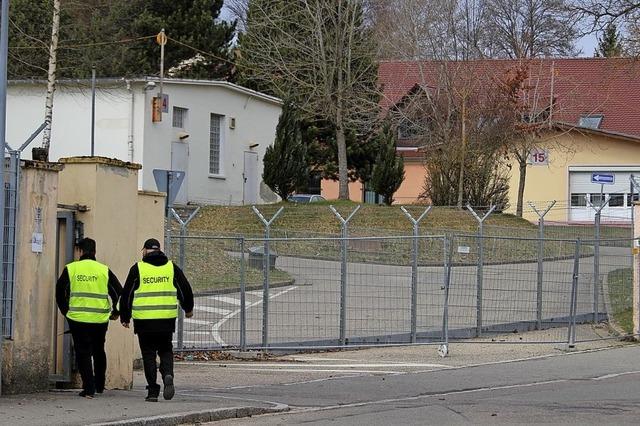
[
  {"x": 153, "y": 292},
  {"x": 82, "y": 295}
]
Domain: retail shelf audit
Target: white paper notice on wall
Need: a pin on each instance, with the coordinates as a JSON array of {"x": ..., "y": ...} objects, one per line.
[
  {"x": 464, "y": 249},
  {"x": 37, "y": 241}
]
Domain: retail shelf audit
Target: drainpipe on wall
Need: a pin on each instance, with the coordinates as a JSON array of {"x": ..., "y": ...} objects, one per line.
[{"x": 131, "y": 112}]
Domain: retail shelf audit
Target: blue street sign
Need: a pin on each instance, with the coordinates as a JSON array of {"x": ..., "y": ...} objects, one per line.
[{"x": 603, "y": 178}]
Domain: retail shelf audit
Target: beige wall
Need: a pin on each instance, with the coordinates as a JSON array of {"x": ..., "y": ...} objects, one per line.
[
  {"x": 110, "y": 189},
  {"x": 543, "y": 183},
  {"x": 27, "y": 357},
  {"x": 546, "y": 183},
  {"x": 408, "y": 193}
]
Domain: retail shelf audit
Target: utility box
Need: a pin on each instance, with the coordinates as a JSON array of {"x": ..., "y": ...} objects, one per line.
[{"x": 256, "y": 258}]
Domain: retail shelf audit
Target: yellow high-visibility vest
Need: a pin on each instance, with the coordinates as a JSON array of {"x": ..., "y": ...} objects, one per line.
[
  {"x": 89, "y": 298},
  {"x": 156, "y": 297}
]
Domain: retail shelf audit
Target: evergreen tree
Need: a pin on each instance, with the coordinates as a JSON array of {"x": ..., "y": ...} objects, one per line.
[
  {"x": 388, "y": 171},
  {"x": 609, "y": 45},
  {"x": 116, "y": 36},
  {"x": 285, "y": 166}
]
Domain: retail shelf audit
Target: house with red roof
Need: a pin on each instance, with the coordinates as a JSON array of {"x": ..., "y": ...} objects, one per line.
[{"x": 588, "y": 155}]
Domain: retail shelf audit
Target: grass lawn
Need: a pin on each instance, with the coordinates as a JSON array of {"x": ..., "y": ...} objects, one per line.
[{"x": 620, "y": 286}]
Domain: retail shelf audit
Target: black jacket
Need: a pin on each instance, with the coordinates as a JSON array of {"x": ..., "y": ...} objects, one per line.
[
  {"x": 185, "y": 296},
  {"x": 63, "y": 289}
]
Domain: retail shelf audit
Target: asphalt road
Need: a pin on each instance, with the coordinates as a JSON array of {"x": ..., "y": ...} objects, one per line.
[
  {"x": 379, "y": 300},
  {"x": 581, "y": 388}
]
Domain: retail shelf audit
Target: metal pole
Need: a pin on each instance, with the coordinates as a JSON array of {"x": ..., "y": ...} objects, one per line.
[
  {"x": 162, "y": 61},
  {"x": 183, "y": 232},
  {"x": 448, "y": 246},
  {"x": 343, "y": 271},
  {"x": 596, "y": 267},
  {"x": 243, "y": 301},
  {"x": 414, "y": 269},
  {"x": 181, "y": 263},
  {"x": 265, "y": 266},
  {"x": 596, "y": 252},
  {"x": 167, "y": 236},
  {"x": 571, "y": 338},
  {"x": 480, "y": 266},
  {"x": 4, "y": 49},
  {"x": 541, "y": 216},
  {"x": 93, "y": 111}
]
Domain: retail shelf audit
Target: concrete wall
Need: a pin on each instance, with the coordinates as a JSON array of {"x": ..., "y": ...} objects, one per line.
[
  {"x": 27, "y": 359},
  {"x": 255, "y": 123},
  {"x": 71, "y": 131},
  {"x": 116, "y": 219},
  {"x": 118, "y": 110}
]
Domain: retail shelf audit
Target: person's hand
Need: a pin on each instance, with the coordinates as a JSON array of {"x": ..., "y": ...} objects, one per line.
[
  {"x": 188, "y": 314},
  {"x": 125, "y": 324},
  {"x": 114, "y": 316}
]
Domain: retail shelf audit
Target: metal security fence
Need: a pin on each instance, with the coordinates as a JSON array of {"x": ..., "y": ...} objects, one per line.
[{"x": 299, "y": 292}]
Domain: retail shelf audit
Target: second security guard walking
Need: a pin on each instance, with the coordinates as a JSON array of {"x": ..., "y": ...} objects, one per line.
[
  {"x": 151, "y": 294},
  {"x": 82, "y": 295}
]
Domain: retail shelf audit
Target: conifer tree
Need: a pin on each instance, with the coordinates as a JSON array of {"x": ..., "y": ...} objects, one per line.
[
  {"x": 609, "y": 45},
  {"x": 388, "y": 171}
]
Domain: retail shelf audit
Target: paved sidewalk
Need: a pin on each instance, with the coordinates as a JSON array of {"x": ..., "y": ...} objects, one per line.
[{"x": 122, "y": 407}]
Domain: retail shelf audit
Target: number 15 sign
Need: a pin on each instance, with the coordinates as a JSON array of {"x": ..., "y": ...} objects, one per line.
[{"x": 538, "y": 157}]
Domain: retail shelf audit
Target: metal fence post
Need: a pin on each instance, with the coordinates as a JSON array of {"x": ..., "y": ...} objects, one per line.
[
  {"x": 596, "y": 254},
  {"x": 541, "y": 216},
  {"x": 571, "y": 338},
  {"x": 243, "y": 300},
  {"x": 448, "y": 261},
  {"x": 181, "y": 263},
  {"x": 480, "y": 265},
  {"x": 414, "y": 268},
  {"x": 344, "y": 224},
  {"x": 266, "y": 262}
]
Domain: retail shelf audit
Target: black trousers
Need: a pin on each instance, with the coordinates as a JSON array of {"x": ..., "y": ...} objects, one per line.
[
  {"x": 152, "y": 344},
  {"x": 88, "y": 342}
]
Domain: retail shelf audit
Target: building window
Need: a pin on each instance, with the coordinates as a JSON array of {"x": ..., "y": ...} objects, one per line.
[
  {"x": 591, "y": 121},
  {"x": 215, "y": 144},
  {"x": 578, "y": 200},
  {"x": 179, "y": 117},
  {"x": 616, "y": 200}
]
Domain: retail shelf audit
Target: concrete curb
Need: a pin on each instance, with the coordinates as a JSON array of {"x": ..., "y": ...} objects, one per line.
[{"x": 197, "y": 416}]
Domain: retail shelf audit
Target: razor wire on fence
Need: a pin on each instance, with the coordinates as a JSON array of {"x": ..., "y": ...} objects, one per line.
[{"x": 288, "y": 290}]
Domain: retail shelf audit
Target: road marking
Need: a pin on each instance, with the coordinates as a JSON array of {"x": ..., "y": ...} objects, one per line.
[
  {"x": 318, "y": 370},
  {"x": 197, "y": 321},
  {"x": 197, "y": 332},
  {"x": 212, "y": 310},
  {"x": 305, "y": 365},
  {"x": 611, "y": 376},
  {"x": 215, "y": 330},
  {"x": 225, "y": 299}
]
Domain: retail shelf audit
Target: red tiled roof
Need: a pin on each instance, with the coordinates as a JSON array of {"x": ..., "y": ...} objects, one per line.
[{"x": 581, "y": 86}]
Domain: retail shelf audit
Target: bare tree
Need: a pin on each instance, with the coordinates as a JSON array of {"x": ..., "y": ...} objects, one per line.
[
  {"x": 530, "y": 28},
  {"x": 598, "y": 14},
  {"x": 319, "y": 54},
  {"x": 51, "y": 76},
  {"x": 428, "y": 29}
]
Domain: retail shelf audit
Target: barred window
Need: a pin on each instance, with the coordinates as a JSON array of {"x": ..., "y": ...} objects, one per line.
[
  {"x": 215, "y": 144},
  {"x": 179, "y": 117}
]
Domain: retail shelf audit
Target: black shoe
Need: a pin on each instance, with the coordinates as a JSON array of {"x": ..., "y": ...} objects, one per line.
[
  {"x": 152, "y": 394},
  {"x": 84, "y": 394},
  {"x": 169, "y": 390},
  {"x": 99, "y": 390}
]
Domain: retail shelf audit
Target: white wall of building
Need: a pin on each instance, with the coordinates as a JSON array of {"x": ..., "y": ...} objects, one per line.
[{"x": 256, "y": 117}]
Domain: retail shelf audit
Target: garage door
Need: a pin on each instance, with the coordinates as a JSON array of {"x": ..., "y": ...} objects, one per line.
[{"x": 584, "y": 194}]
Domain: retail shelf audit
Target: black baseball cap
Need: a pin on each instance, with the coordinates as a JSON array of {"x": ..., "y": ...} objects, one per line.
[{"x": 151, "y": 244}]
